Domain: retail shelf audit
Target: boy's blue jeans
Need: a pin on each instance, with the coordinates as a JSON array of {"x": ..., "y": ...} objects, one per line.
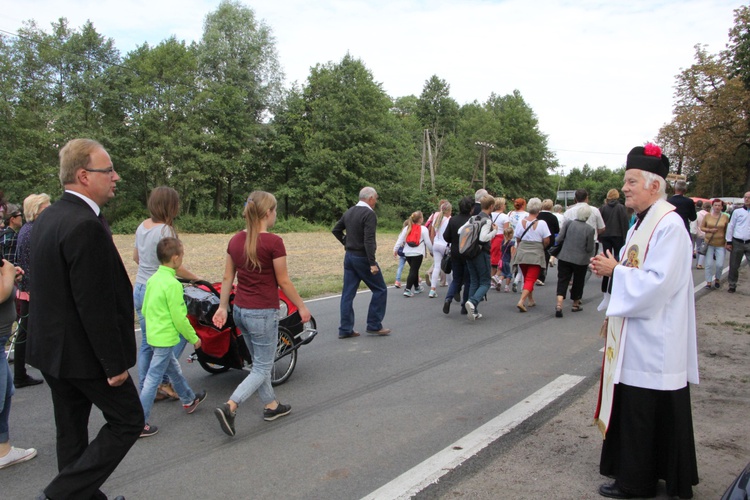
[{"x": 163, "y": 362}]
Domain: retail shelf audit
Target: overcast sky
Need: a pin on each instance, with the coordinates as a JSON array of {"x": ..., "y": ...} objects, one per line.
[{"x": 599, "y": 75}]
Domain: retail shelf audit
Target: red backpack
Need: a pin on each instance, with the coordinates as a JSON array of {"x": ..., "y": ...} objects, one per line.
[{"x": 414, "y": 238}]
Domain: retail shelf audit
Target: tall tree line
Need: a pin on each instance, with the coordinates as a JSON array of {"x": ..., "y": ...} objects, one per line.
[
  {"x": 708, "y": 138},
  {"x": 213, "y": 120}
]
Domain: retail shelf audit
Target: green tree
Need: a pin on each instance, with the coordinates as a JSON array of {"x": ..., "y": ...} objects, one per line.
[
  {"x": 240, "y": 78},
  {"x": 338, "y": 135}
]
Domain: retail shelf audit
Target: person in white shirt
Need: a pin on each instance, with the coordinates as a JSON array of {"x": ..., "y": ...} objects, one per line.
[
  {"x": 651, "y": 355},
  {"x": 738, "y": 241}
]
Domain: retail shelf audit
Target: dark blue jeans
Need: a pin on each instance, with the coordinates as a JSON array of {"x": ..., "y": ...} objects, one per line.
[
  {"x": 357, "y": 270},
  {"x": 479, "y": 275},
  {"x": 460, "y": 279}
]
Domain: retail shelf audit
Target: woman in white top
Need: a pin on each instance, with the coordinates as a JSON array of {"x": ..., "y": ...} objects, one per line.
[
  {"x": 532, "y": 236},
  {"x": 414, "y": 254},
  {"x": 439, "y": 245},
  {"x": 164, "y": 206}
]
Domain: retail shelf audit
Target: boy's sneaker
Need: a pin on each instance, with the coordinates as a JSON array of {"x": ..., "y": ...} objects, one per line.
[
  {"x": 408, "y": 293},
  {"x": 148, "y": 431},
  {"x": 471, "y": 310},
  {"x": 226, "y": 418},
  {"x": 192, "y": 406},
  {"x": 397, "y": 284},
  {"x": 281, "y": 410},
  {"x": 432, "y": 294}
]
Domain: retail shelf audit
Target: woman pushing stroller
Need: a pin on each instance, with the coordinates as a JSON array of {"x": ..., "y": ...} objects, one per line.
[{"x": 258, "y": 259}]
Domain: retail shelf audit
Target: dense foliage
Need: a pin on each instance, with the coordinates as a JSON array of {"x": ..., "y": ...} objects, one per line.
[
  {"x": 212, "y": 119},
  {"x": 708, "y": 138}
]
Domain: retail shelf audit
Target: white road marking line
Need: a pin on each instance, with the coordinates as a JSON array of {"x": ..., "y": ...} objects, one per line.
[{"x": 431, "y": 470}]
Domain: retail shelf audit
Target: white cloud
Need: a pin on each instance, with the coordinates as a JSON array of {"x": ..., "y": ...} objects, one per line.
[{"x": 599, "y": 75}]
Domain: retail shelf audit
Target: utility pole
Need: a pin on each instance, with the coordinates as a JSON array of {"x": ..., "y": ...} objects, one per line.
[
  {"x": 427, "y": 154},
  {"x": 483, "y": 161}
]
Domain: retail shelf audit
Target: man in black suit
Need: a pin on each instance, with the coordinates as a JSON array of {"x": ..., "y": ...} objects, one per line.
[
  {"x": 81, "y": 333},
  {"x": 685, "y": 206}
]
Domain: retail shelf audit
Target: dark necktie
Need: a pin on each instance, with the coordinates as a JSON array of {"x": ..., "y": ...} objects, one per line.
[{"x": 104, "y": 223}]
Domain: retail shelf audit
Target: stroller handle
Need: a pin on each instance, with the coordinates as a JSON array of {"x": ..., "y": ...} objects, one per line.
[{"x": 201, "y": 283}]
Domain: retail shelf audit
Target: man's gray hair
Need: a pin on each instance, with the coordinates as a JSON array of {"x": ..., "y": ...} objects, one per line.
[
  {"x": 650, "y": 177},
  {"x": 367, "y": 192},
  {"x": 481, "y": 193},
  {"x": 534, "y": 205},
  {"x": 680, "y": 186}
]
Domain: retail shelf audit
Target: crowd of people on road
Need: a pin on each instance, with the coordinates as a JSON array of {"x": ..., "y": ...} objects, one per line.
[{"x": 78, "y": 330}]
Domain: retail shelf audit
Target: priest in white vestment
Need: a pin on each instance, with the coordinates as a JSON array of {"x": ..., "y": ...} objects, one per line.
[{"x": 651, "y": 354}]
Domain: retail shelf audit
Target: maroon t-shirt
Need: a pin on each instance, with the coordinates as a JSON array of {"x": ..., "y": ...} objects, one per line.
[{"x": 256, "y": 288}]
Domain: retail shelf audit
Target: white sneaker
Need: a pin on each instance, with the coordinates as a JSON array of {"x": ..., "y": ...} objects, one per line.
[
  {"x": 472, "y": 309},
  {"x": 16, "y": 456},
  {"x": 432, "y": 294}
]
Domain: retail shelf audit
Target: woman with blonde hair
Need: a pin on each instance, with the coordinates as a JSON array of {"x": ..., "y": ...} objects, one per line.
[
  {"x": 439, "y": 245},
  {"x": 415, "y": 238},
  {"x": 33, "y": 205},
  {"x": 257, "y": 259}
]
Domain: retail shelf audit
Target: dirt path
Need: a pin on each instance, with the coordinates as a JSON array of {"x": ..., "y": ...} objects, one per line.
[{"x": 560, "y": 459}]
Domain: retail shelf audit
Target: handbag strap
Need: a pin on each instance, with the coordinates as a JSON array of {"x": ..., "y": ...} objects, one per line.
[
  {"x": 527, "y": 228},
  {"x": 715, "y": 226}
]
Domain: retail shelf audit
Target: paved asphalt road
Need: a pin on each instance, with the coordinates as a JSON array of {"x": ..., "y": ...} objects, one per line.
[{"x": 365, "y": 410}]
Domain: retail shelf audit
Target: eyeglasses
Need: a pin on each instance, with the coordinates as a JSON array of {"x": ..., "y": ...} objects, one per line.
[{"x": 108, "y": 171}]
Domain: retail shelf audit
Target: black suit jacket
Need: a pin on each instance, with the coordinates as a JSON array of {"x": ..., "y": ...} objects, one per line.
[{"x": 81, "y": 312}]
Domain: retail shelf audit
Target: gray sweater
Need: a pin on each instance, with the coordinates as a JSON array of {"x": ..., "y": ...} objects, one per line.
[{"x": 579, "y": 243}]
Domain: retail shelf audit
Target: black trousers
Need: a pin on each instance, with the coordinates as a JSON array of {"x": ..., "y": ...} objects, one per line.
[
  {"x": 415, "y": 262},
  {"x": 83, "y": 467},
  {"x": 19, "y": 353},
  {"x": 564, "y": 272}
]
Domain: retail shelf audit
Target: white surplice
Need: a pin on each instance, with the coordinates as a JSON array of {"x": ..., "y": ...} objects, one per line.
[{"x": 659, "y": 345}]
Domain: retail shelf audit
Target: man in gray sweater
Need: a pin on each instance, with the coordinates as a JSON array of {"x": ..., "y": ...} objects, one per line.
[{"x": 356, "y": 231}]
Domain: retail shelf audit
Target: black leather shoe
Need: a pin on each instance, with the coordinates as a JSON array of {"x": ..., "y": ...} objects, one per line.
[
  {"x": 612, "y": 490},
  {"x": 26, "y": 381}
]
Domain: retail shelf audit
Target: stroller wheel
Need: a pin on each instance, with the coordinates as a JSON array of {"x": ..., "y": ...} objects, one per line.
[
  {"x": 286, "y": 358},
  {"x": 213, "y": 367}
]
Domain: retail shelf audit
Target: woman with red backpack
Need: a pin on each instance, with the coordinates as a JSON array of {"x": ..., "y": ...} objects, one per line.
[{"x": 414, "y": 238}]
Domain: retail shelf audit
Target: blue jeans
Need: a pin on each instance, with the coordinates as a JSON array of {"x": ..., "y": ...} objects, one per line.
[
  {"x": 357, "y": 270},
  {"x": 460, "y": 279},
  {"x": 163, "y": 361},
  {"x": 479, "y": 275},
  {"x": 260, "y": 330},
  {"x": 401, "y": 263},
  {"x": 6, "y": 392},
  {"x": 714, "y": 267},
  {"x": 146, "y": 352}
]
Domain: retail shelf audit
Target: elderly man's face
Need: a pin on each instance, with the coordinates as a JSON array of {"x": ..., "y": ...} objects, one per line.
[{"x": 637, "y": 195}]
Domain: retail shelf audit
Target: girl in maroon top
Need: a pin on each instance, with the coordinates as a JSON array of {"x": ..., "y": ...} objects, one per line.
[{"x": 258, "y": 259}]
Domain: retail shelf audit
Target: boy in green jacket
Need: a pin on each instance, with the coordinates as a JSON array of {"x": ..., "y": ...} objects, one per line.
[{"x": 166, "y": 318}]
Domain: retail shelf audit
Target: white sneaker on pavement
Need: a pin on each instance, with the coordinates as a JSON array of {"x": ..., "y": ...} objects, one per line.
[{"x": 16, "y": 456}]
